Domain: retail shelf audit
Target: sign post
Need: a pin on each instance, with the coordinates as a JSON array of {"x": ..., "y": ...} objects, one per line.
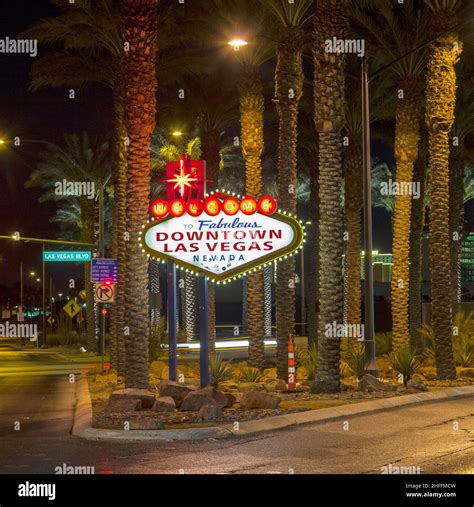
[
  {"x": 172, "y": 315},
  {"x": 203, "y": 331}
]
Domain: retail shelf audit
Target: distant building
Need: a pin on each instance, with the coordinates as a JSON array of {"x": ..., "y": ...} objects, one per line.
[
  {"x": 467, "y": 258},
  {"x": 382, "y": 265}
]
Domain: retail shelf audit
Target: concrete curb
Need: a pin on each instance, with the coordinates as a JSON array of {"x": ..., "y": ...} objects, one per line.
[
  {"x": 82, "y": 409},
  {"x": 270, "y": 423}
]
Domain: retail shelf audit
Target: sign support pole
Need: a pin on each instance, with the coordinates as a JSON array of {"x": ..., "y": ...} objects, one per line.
[
  {"x": 172, "y": 315},
  {"x": 203, "y": 331}
]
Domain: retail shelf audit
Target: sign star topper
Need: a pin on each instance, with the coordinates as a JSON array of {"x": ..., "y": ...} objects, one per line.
[{"x": 185, "y": 179}]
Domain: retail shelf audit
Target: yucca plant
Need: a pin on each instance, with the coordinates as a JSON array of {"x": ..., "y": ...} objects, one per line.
[
  {"x": 405, "y": 362},
  {"x": 307, "y": 358},
  {"x": 250, "y": 374},
  {"x": 357, "y": 360},
  {"x": 219, "y": 371}
]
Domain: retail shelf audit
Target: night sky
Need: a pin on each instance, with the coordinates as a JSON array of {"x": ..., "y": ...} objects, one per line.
[{"x": 47, "y": 115}]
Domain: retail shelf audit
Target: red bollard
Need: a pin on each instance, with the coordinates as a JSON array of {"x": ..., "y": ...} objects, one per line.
[{"x": 291, "y": 365}]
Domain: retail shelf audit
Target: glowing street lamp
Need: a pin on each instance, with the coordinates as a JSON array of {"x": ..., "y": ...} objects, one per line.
[
  {"x": 237, "y": 44},
  {"x": 176, "y": 133}
]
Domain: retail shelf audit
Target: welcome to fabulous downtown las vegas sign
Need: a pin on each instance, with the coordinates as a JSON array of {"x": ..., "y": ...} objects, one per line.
[{"x": 222, "y": 235}]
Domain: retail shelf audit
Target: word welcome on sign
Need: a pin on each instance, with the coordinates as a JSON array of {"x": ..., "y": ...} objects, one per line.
[{"x": 223, "y": 245}]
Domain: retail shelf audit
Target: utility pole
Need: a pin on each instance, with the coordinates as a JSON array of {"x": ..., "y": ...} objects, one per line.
[{"x": 43, "y": 279}]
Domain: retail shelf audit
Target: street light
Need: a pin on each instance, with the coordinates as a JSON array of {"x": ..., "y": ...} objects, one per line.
[
  {"x": 237, "y": 44},
  {"x": 177, "y": 133}
]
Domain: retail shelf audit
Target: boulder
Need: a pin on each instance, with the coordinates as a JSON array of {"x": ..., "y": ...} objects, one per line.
[
  {"x": 370, "y": 384},
  {"x": 230, "y": 400},
  {"x": 276, "y": 385},
  {"x": 253, "y": 400},
  {"x": 146, "y": 423},
  {"x": 123, "y": 405},
  {"x": 146, "y": 397},
  {"x": 197, "y": 399},
  {"x": 210, "y": 413},
  {"x": 218, "y": 396},
  {"x": 177, "y": 391},
  {"x": 164, "y": 404},
  {"x": 246, "y": 387},
  {"x": 416, "y": 385},
  {"x": 467, "y": 372}
]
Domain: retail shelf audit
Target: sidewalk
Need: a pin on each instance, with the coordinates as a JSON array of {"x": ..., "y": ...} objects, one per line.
[{"x": 83, "y": 417}]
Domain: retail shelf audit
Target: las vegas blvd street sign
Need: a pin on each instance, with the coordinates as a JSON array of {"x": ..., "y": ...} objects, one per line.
[
  {"x": 222, "y": 246},
  {"x": 50, "y": 256}
]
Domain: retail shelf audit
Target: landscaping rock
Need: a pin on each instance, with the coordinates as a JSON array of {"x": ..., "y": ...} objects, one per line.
[
  {"x": 177, "y": 391},
  {"x": 259, "y": 400},
  {"x": 370, "y": 384},
  {"x": 146, "y": 397},
  {"x": 217, "y": 396},
  {"x": 146, "y": 424},
  {"x": 467, "y": 372},
  {"x": 164, "y": 404},
  {"x": 197, "y": 399},
  {"x": 123, "y": 405},
  {"x": 230, "y": 400},
  {"x": 246, "y": 387},
  {"x": 211, "y": 413},
  {"x": 416, "y": 385},
  {"x": 276, "y": 385}
]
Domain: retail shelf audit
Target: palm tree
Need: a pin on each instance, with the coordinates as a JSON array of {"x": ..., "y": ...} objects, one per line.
[
  {"x": 81, "y": 159},
  {"x": 330, "y": 20},
  {"x": 86, "y": 46},
  {"x": 139, "y": 19},
  {"x": 406, "y": 28},
  {"x": 440, "y": 103},
  {"x": 288, "y": 92}
]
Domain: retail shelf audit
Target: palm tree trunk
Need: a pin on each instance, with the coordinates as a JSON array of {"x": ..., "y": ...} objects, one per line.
[
  {"x": 313, "y": 248},
  {"x": 117, "y": 316},
  {"x": 407, "y": 138},
  {"x": 456, "y": 209},
  {"x": 267, "y": 300},
  {"x": 155, "y": 292},
  {"x": 329, "y": 21},
  {"x": 288, "y": 93},
  {"x": 353, "y": 210},
  {"x": 440, "y": 103},
  {"x": 140, "y": 19},
  {"x": 416, "y": 248},
  {"x": 251, "y": 123}
]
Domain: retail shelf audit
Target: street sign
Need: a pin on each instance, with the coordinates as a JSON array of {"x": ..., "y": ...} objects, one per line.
[
  {"x": 104, "y": 293},
  {"x": 50, "y": 320},
  {"x": 104, "y": 270},
  {"x": 49, "y": 256},
  {"x": 72, "y": 308},
  {"x": 82, "y": 294}
]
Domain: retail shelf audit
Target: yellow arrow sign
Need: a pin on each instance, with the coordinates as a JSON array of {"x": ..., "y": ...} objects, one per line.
[{"x": 72, "y": 308}]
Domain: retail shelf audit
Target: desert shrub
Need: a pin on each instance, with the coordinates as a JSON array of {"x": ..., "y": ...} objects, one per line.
[
  {"x": 307, "y": 358},
  {"x": 249, "y": 374},
  {"x": 406, "y": 363},
  {"x": 383, "y": 343},
  {"x": 357, "y": 360},
  {"x": 219, "y": 371},
  {"x": 158, "y": 339}
]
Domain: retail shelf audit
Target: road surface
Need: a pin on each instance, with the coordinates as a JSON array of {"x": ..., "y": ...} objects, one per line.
[{"x": 437, "y": 437}]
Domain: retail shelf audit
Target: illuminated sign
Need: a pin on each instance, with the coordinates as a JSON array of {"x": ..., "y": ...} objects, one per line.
[
  {"x": 224, "y": 237},
  {"x": 49, "y": 256}
]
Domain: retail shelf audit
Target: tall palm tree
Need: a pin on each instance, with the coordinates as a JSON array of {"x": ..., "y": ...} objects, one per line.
[
  {"x": 139, "y": 19},
  {"x": 80, "y": 159},
  {"x": 406, "y": 28},
  {"x": 292, "y": 18},
  {"x": 330, "y": 20},
  {"x": 440, "y": 104},
  {"x": 85, "y": 45}
]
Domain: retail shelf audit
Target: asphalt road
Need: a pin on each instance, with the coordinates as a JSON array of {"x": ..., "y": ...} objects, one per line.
[{"x": 437, "y": 437}]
